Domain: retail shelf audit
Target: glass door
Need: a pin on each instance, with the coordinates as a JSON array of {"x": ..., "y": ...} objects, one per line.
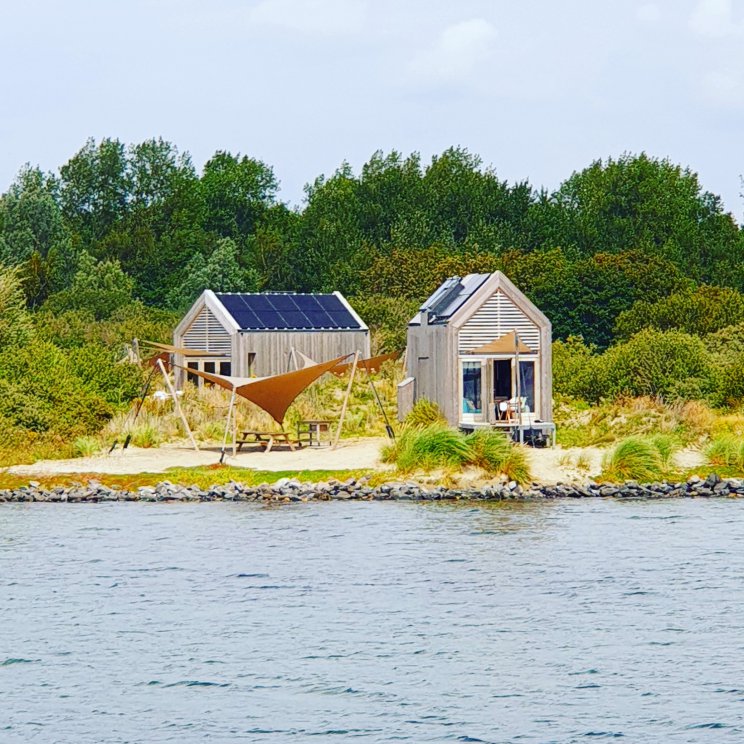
[{"x": 472, "y": 391}]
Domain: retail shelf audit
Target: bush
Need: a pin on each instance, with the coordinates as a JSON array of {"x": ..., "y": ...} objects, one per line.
[
  {"x": 643, "y": 459},
  {"x": 45, "y": 389},
  {"x": 387, "y": 318},
  {"x": 424, "y": 413},
  {"x": 667, "y": 364},
  {"x": 698, "y": 312},
  {"x": 574, "y": 368}
]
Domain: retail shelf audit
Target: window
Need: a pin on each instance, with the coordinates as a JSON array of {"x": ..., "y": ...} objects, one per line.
[
  {"x": 225, "y": 368},
  {"x": 209, "y": 367},
  {"x": 472, "y": 399},
  {"x": 527, "y": 383},
  {"x": 190, "y": 376}
]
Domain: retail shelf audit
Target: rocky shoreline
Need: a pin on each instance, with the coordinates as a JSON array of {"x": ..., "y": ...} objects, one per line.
[{"x": 289, "y": 490}]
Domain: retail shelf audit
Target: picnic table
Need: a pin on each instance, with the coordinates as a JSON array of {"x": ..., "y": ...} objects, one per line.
[
  {"x": 312, "y": 432},
  {"x": 265, "y": 439}
]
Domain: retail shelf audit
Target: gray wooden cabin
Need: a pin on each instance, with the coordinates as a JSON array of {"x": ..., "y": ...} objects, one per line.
[
  {"x": 253, "y": 334},
  {"x": 462, "y": 352}
]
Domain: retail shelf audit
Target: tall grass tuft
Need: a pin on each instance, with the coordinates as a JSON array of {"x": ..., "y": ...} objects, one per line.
[
  {"x": 424, "y": 413},
  {"x": 643, "y": 459},
  {"x": 726, "y": 451},
  {"x": 428, "y": 448},
  {"x": 493, "y": 452},
  {"x": 438, "y": 446},
  {"x": 86, "y": 447}
]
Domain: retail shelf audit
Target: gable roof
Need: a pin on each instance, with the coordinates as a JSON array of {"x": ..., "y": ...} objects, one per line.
[
  {"x": 457, "y": 298},
  {"x": 290, "y": 311}
]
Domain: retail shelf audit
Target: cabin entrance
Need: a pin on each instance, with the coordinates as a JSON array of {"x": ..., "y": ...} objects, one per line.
[{"x": 490, "y": 386}]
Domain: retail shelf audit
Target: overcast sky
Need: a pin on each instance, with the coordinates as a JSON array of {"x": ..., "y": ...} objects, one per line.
[{"x": 538, "y": 88}]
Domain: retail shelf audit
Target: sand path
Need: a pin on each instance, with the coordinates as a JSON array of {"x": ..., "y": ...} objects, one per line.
[
  {"x": 351, "y": 454},
  {"x": 549, "y": 466}
]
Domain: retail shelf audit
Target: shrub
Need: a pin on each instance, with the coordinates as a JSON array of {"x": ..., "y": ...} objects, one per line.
[
  {"x": 643, "y": 459},
  {"x": 666, "y": 364},
  {"x": 424, "y": 413},
  {"x": 696, "y": 311},
  {"x": 574, "y": 368},
  {"x": 388, "y": 319},
  {"x": 145, "y": 435}
]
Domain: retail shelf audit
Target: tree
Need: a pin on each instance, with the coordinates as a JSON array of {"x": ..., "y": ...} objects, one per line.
[
  {"x": 15, "y": 322},
  {"x": 641, "y": 203},
  {"x": 237, "y": 191},
  {"x": 221, "y": 272},
  {"x": 95, "y": 187},
  {"x": 33, "y": 234},
  {"x": 99, "y": 287}
]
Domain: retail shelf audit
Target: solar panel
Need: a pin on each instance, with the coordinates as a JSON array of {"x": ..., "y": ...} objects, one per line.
[{"x": 287, "y": 311}]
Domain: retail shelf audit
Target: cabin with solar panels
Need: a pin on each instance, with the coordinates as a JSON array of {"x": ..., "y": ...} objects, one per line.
[
  {"x": 254, "y": 334},
  {"x": 482, "y": 351}
]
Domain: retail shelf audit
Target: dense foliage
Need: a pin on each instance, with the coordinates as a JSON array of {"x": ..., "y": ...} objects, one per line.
[{"x": 638, "y": 267}]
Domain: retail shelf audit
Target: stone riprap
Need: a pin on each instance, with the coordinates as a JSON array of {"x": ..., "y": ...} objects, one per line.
[{"x": 288, "y": 490}]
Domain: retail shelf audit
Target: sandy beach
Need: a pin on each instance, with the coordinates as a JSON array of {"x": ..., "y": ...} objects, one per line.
[{"x": 549, "y": 466}]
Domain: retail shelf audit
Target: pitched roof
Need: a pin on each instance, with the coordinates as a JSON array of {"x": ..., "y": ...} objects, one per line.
[
  {"x": 451, "y": 295},
  {"x": 293, "y": 311}
]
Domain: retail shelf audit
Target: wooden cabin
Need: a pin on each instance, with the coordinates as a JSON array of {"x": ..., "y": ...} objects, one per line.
[
  {"x": 254, "y": 334},
  {"x": 482, "y": 351}
]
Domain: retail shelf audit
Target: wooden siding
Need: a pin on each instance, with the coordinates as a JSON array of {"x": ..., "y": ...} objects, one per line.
[
  {"x": 431, "y": 358},
  {"x": 495, "y": 318},
  {"x": 271, "y": 348},
  {"x": 208, "y": 334}
]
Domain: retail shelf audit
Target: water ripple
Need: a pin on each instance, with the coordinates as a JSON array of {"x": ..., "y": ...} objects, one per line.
[{"x": 502, "y": 624}]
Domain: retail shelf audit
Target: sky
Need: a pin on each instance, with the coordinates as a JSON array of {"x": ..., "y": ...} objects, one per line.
[{"x": 537, "y": 88}]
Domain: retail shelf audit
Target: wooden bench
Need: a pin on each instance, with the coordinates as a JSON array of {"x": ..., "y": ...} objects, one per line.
[{"x": 265, "y": 439}]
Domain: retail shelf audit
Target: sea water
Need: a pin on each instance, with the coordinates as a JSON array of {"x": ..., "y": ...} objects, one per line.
[{"x": 567, "y": 621}]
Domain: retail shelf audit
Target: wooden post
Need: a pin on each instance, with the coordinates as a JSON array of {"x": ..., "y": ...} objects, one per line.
[
  {"x": 235, "y": 426},
  {"x": 346, "y": 401},
  {"x": 227, "y": 428},
  {"x": 177, "y": 405}
]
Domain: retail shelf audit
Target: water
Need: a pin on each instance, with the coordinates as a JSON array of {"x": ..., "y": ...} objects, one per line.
[{"x": 380, "y": 622}]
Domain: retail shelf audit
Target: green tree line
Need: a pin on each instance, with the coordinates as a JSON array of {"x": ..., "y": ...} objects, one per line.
[{"x": 137, "y": 225}]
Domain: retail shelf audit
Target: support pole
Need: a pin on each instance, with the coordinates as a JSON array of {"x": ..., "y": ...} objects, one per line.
[
  {"x": 388, "y": 428},
  {"x": 227, "y": 428},
  {"x": 177, "y": 404},
  {"x": 346, "y": 401},
  {"x": 519, "y": 388}
]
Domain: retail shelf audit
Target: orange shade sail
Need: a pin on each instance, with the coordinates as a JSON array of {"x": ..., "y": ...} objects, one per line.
[
  {"x": 184, "y": 352},
  {"x": 273, "y": 394},
  {"x": 506, "y": 344},
  {"x": 372, "y": 364}
]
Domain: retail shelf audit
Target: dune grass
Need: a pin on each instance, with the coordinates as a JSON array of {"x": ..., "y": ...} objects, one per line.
[
  {"x": 424, "y": 413},
  {"x": 643, "y": 459},
  {"x": 203, "y": 477},
  {"x": 726, "y": 451},
  {"x": 437, "y": 446}
]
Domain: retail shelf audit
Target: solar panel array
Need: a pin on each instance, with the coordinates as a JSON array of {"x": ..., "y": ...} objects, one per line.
[{"x": 285, "y": 311}]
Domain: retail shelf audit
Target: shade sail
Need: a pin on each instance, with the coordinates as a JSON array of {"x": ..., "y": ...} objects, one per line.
[
  {"x": 506, "y": 344},
  {"x": 184, "y": 352},
  {"x": 372, "y": 364},
  {"x": 274, "y": 394}
]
